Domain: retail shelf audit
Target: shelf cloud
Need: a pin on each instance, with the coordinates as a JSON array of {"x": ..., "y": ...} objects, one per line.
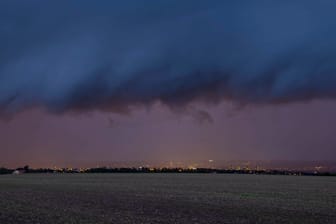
[{"x": 109, "y": 55}]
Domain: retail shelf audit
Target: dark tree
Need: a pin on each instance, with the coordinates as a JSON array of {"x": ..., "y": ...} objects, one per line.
[{"x": 26, "y": 168}]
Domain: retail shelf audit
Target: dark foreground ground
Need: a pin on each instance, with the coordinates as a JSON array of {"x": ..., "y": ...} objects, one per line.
[{"x": 166, "y": 198}]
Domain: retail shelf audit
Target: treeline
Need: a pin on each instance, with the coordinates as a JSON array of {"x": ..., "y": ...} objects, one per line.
[
  {"x": 204, "y": 170},
  {"x": 26, "y": 169},
  {"x": 5, "y": 170}
]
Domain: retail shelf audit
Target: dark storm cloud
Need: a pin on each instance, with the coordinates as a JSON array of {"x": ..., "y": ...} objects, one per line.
[{"x": 78, "y": 55}]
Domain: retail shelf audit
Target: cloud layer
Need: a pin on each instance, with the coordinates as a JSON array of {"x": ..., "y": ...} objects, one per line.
[{"x": 108, "y": 55}]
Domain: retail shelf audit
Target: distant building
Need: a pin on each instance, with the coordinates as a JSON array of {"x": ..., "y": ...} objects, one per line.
[{"x": 18, "y": 171}]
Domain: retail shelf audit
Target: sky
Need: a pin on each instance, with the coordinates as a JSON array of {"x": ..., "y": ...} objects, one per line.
[{"x": 84, "y": 81}]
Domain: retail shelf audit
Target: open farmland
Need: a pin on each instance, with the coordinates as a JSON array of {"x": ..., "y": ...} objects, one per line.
[{"x": 166, "y": 198}]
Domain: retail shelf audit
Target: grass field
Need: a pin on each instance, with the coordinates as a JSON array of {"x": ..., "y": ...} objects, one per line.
[{"x": 166, "y": 198}]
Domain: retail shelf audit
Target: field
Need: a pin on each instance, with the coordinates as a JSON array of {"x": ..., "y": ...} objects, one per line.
[{"x": 166, "y": 198}]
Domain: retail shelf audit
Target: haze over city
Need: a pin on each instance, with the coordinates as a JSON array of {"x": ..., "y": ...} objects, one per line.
[{"x": 291, "y": 132}]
